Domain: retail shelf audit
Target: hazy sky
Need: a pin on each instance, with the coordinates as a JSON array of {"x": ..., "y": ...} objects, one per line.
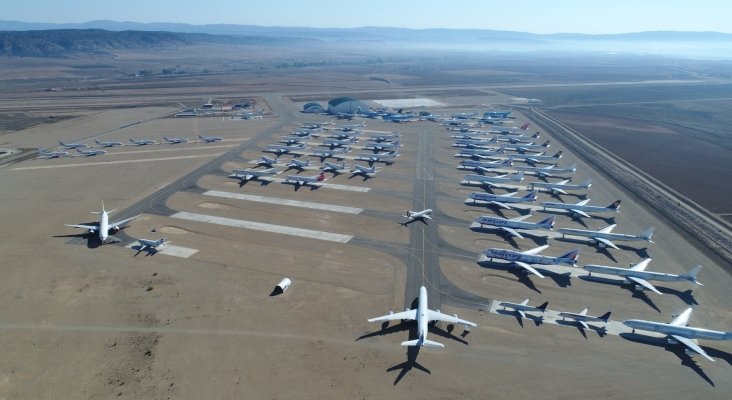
[{"x": 538, "y": 16}]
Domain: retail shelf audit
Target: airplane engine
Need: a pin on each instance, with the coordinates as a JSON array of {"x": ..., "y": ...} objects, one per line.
[
  {"x": 114, "y": 229},
  {"x": 92, "y": 231},
  {"x": 639, "y": 288}
]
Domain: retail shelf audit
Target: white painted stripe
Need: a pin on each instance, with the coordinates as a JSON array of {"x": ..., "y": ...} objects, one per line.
[
  {"x": 116, "y": 162},
  {"x": 168, "y": 250},
  {"x": 258, "y": 226},
  {"x": 284, "y": 202}
]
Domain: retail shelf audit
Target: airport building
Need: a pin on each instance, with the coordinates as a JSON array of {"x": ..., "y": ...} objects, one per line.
[
  {"x": 313, "y": 108},
  {"x": 345, "y": 105}
]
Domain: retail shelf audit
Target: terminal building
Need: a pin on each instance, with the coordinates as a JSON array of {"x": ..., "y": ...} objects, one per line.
[{"x": 345, "y": 105}]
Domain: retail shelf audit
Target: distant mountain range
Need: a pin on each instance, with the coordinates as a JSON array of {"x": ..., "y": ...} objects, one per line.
[{"x": 63, "y": 40}]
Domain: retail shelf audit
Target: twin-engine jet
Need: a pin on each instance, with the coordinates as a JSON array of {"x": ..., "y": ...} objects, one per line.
[
  {"x": 334, "y": 167},
  {"x": 415, "y": 215},
  {"x": 90, "y": 152},
  {"x": 142, "y": 142},
  {"x": 52, "y": 154},
  {"x": 510, "y": 225},
  {"x": 152, "y": 245},
  {"x": 582, "y": 318},
  {"x": 503, "y": 201},
  {"x": 174, "y": 140},
  {"x": 638, "y": 275},
  {"x": 423, "y": 316},
  {"x": 297, "y": 164},
  {"x": 306, "y": 180},
  {"x": 561, "y": 187},
  {"x": 525, "y": 259},
  {"x": 548, "y": 171},
  {"x": 246, "y": 175},
  {"x": 536, "y": 158},
  {"x": 104, "y": 227},
  {"x": 108, "y": 144},
  {"x": 209, "y": 139},
  {"x": 581, "y": 209},
  {"x": 73, "y": 145},
  {"x": 484, "y": 166},
  {"x": 495, "y": 181},
  {"x": 265, "y": 161},
  {"x": 604, "y": 237},
  {"x": 523, "y": 307}
]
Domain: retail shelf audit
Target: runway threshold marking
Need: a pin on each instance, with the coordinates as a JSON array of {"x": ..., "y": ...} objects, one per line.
[
  {"x": 284, "y": 202},
  {"x": 168, "y": 250},
  {"x": 117, "y": 162},
  {"x": 259, "y": 226}
]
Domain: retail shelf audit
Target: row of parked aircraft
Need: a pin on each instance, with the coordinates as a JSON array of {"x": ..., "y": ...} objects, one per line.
[{"x": 84, "y": 150}]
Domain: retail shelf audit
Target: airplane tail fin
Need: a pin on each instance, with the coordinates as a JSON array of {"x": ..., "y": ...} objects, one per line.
[
  {"x": 558, "y": 155},
  {"x": 648, "y": 234},
  {"x": 570, "y": 256},
  {"x": 572, "y": 167},
  {"x": 692, "y": 273},
  {"x": 543, "y": 306},
  {"x": 530, "y": 196},
  {"x": 518, "y": 177},
  {"x": 321, "y": 177},
  {"x": 507, "y": 163},
  {"x": 536, "y": 135},
  {"x": 545, "y": 144},
  {"x": 525, "y": 126},
  {"x": 586, "y": 183},
  {"x": 605, "y": 317},
  {"x": 548, "y": 222},
  {"x": 615, "y": 206}
]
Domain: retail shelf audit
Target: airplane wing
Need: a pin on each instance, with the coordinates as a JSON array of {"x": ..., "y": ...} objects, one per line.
[
  {"x": 641, "y": 266},
  {"x": 409, "y": 314},
  {"x": 536, "y": 250},
  {"x": 583, "y": 202},
  {"x": 438, "y": 316},
  {"x": 512, "y": 232},
  {"x": 606, "y": 242},
  {"x": 521, "y": 313},
  {"x": 584, "y": 324},
  {"x": 499, "y": 204},
  {"x": 582, "y": 213},
  {"x": 426, "y": 216},
  {"x": 682, "y": 319},
  {"x": 644, "y": 283},
  {"x": 118, "y": 223},
  {"x": 693, "y": 346},
  {"x": 608, "y": 229},
  {"x": 95, "y": 227},
  {"x": 529, "y": 268}
]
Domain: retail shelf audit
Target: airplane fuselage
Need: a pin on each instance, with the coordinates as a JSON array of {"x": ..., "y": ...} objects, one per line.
[
  {"x": 491, "y": 179},
  {"x": 625, "y": 272},
  {"x": 565, "y": 206},
  {"x": 581, "y": 317},
  {"x": 602, "y": 235},
  {"x": 103, "y": 226},
  {"x": 563, "y": 186},
  {"x": 683, "y": 331},
  {"x": 501, "y": 222},
  {"x": 520, "y": 307},
  {"x": 493, "y": 197},
  {"x": 514, "y": 256}
]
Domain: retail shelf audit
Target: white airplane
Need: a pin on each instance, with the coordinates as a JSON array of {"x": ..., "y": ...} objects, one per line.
[
  {"x": 510, "y": 225},
  {"x": 421, "y": 215},
  {"x": 385, "y": 138},
  {"x": 73, "y": 145},
  {"x": 548, "y": 171},
  {"x": 525, "y": 259},
  {"x": 297, "y": 164},
  {"x": 381, "y": 146},
  {"x": 108, "y": 144},
  {"x": 52, "y": 154},
  {"x": 638, "y": 275},
  {"x": 515, "y": 139},
  {"x": 503, "y": 200},
  {"x": 466, "y": 142},
  {"x": 474, "y": 146},
  {"x": 678, "y": 331},
  {"x": 335, "y": 153},
  {"x": 89, "y": 153},
  {"x": 246, "y": 175},
  {"x": 539, "y": 157},
  {"x": 580, "y": 209},
  {"x": 348, "y": 128},
  {"x": 483, "y": 166},
  {"x": 582, "y": 318},
  {"x": 333, "y": 143},
  {"x": 561, "y": 187},
  {"x": 480, "y": 153},
  {"x": 209, "y": 139},
  {"x": 343, "y": 135},
  {"x": 175, "y": 140},
  {"x": 142, "y": 142},
  {"x": 363, "y": 171},
  {"x": 267, "y": 161},
  {"x": 288, "y": 140},
  {"x": 306, "y": 180},
  {"x": 152, "y": 245},
  {"x": 527, "y": 147},
  {"x": 333, "y": 167},
  {"x": 604, "y": 236},
  {"x": 303, "y": 133},
  {"x": 104, "y": 227},
  {"x": 523, "y": 307},
  {"x": 423, "y": 316},
  {"x": 494, "y": 181},
  {"x": 316, "y": 125},
  {"x": 279, "y": 150},
  {"x": 386, "y": 158}
]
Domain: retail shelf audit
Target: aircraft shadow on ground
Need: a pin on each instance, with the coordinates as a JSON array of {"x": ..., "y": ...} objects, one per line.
[
  {"x": 538, "y": 320},
  {"x": 562, "y": 280},
  {"x": 149, "y": 251},
  {"x": 411, "y": 221},
  {"x": 92, "y": 239},
  {"x": 680, "y": 351},
  {"x": 601, "y": 330}
]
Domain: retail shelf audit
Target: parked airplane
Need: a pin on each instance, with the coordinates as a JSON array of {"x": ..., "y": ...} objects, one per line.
[
  {"x": 468, "y": 142},
  {"x": 604, "y": 236},
  {"x": 510, "y": 225},
  {"x": 108, "y": 144},
  {"x": 523, "y": 307},
  {"x": 384, "y": 138},
  {"x": 316, "y": 125},
  {"x": 381, "y": 146},
  {"x": 104, "y": 227},
  {"x": 335, "y": 153},
  {"x": 638, "y": 275},
  {"x": 142, "y": 142},
  {"x": 89, "y": 153},
  {"x": 580, "y": 209},
  {"x": 279, "y": 149},
  {"x": 525, "y": 259},
  {"x": 480, "y": 153},
  {"x": 333, "y": 167},
  {"x": 513, "y": 139},
  {"x": 288, "y": 140},
  {"x": 539, "y": 157},
  {"x": 483, "y": 166},
  {"x": 367, "y": 113},
  {"x": 353, "y": 127},
  {"x": 343, "y": 115},
  {"x": 421, "y": 215},
  {"x": 398, "y": 117},
  {"x": 52, "y": 154},
  {"x": 678, "y": 331},
  {"x": 386, "y": 158},
  {"x": 423, "y": 316},
  {"x": 297, "y": 164},
  {"x": 527, "y": 147},
  {"x": 503, "y": 200},
  {"x": 73, "y": 145},
  {"x": 152, "y": 245},
  {"x": 209, "y": 139},
  {"x": 333, "y": 143},
  {"x": 265, "y": 161},
  {"x": 364, "y": 171},
  {"x": 494, "y": 181},
  {"x": 306, "y": 180},
  {"x": 246, "y": 175},
  {"x": 582, "y": 318},
  {"x": 548, "y": 171},
  {"x": 302, "y": 133},
  {"x": 175, "y": 140},
  {"x": 561, "y": 187}
]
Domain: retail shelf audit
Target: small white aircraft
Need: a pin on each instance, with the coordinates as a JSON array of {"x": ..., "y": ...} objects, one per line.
[
  {"x": 353, "y": 127},
  {"x": 423, "y": 316},
  {"x": 108, "y": 144},
  {"x": 265, "y": 161},
  {"x": 335, "y": 153},
  {"x": 502, "y": 201},
  {"x": 415, "y": 215},
  {"x": 89, "y": 153},
  {"x": 638, "y": 275},
  {"x": 525, "y": 259},
  {"x": 209, "y": 139},
  {"x": 604, "y": 236},
  {"x": 73, "y": 145},
  {"x": 142, "y": 142},
  {"x": 297, "y": 164},
  {"x": 246, "y": 175},
  {"x": 386, "y": 158},
  {"x": 175, "y": 140},
  {"x": 561, "y": 187},
  {"x": 580, "y": 209},
  {"x": 678, "y": 331},
  {"x": 364, "y": 171},
  {"x": 279, "y": 150},
  {"x": 523, "y": 307},
  {"x": 306, "y": 180},
  {"x": 52, "y": 154},
  {"x": 104, "y": 227},
  {"x": 381, "y": 146},
  {"x": 152, "y": 245},
  {"x": 333, "y": 167},
  {"x": 582, "y": 318}
]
